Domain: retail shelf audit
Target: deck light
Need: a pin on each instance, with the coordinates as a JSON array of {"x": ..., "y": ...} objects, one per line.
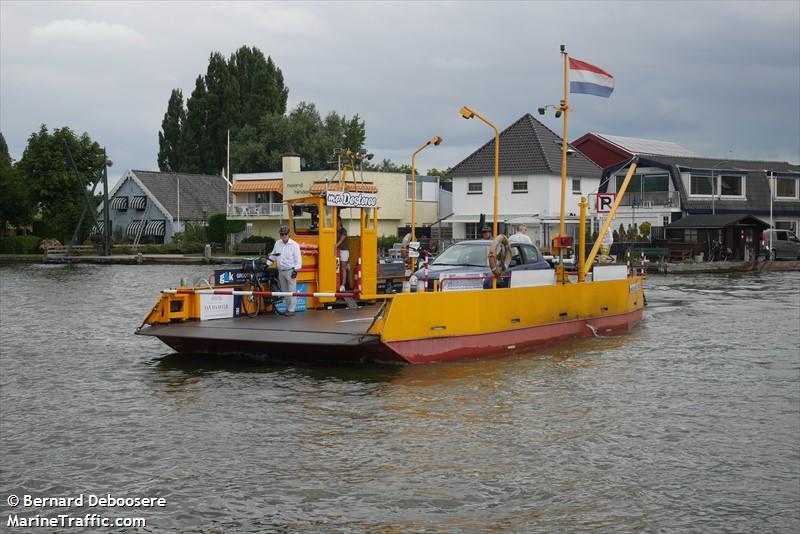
[
  {"x": 436, "y": 140},
  {"x": 468, "y": 114}
]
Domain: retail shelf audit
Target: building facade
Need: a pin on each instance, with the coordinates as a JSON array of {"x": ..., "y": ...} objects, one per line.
[{"x": 529, "y": 188}]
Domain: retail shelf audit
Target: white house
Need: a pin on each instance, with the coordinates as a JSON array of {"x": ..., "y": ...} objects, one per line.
[{"x": 529, "y": 189}]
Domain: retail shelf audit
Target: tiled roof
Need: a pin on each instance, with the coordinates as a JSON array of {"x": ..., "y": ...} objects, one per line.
[
  {"x": 526, "y": 147},
  {"x": 715, "y": 221},
  {"x": 257, "y": 186},
  {"x": 359, "y": 187},
  {"x": 198, "y": 192}
]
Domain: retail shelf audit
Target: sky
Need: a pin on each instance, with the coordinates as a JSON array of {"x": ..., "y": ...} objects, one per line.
[{"x": 719, "y": 78}]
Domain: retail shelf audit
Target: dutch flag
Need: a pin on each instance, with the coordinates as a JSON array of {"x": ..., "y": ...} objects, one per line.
[{"x": 588, "y": 79}]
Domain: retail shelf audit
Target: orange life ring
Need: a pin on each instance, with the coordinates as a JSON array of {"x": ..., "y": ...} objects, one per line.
[{"x": 499, "y": 266}]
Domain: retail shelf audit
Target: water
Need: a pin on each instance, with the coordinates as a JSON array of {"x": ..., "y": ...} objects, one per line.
[{"x": 689, "y": 423}]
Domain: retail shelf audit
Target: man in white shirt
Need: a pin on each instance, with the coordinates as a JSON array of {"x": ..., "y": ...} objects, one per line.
[
  {"x": 286, "y": 254},
  {"x": 521, "y": 236}
]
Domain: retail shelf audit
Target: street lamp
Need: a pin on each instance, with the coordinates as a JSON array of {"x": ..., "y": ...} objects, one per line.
[
  {"x": 436, "y": 141},
  {"x": 468, "y": 113}
]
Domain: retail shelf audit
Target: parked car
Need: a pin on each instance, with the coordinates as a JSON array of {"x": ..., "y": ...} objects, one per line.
[
  {"x": 472, "y": 258},
  {"x": 785, "y": 245}
]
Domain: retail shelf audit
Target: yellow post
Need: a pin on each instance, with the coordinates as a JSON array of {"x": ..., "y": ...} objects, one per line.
[
  {"x": 611, "y": 214},
  {"x": 434, "y": 141},
  {"x": 582, "y": 237}
]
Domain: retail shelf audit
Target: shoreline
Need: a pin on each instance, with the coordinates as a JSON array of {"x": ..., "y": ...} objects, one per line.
[{"x": 181, "y": 259}]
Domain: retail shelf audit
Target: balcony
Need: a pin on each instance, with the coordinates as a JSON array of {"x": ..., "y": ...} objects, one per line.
[
  {"x": 653, "y": 199},
  {"x": 274, "y": 209}
]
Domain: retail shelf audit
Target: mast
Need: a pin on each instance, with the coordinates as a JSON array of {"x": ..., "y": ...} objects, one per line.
[{"x": 565, "y": 110}]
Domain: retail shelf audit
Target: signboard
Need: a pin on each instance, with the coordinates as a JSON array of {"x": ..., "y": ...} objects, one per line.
[
  {"x": 460, "y": 281},
  {"x": 215, "y": 306},
  {"x": 352, "y": 200},
  {"x": 605, "y": 201},
  {"x": 413, "y": 254}
]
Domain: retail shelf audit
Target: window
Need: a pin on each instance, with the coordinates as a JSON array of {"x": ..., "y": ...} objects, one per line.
[
  {"x": 475, "y": 188},
  {"x": 472, "y": 231},
  {"x": 731, "y": 186},
  {"x": 701, "y": 185},
  {"x": 785, "y": 188},
  {"x": 519, "y": 187},
  {"x": 418, "y": 186},
  {"x": 786, "y": 225},
  {"x": 576, "y": 186},
  {"x": 665, "y": 220},
  {"x": 645, "y": 183},
  {"x": 530, "y": 253},
  {"x": 690, "y": 235}
]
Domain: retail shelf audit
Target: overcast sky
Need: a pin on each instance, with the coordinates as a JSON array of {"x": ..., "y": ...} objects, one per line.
[{"x": 720, "y": 78}]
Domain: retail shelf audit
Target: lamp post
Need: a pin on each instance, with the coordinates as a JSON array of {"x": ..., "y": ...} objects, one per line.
[
  {"x": 436, "y": 141},
  {"x": 468, "y": 113}
]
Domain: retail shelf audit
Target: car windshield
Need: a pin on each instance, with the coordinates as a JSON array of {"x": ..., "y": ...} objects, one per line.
[{"x": 467, "y": 254}]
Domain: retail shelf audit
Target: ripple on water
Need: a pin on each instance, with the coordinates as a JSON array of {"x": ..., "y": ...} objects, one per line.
[{"x": 690, "y": 422}]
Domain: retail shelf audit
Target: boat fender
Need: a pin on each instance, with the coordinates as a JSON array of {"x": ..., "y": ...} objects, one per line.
[{"x": 497, "y": 264}]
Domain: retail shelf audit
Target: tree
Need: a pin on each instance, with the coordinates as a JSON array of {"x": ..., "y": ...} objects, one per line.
[
  {"x": 55, "y": 189},
  {"x": 169, "y": 138},
  {"x": 15, "y": 202},
  {"x": 644, "y": 231},
  {"x": 194, "y": 142},
  {"x": 388, "y": 166}
]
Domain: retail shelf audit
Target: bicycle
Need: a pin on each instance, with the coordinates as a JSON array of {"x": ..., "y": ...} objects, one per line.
[{"x": 255, "y": 270}]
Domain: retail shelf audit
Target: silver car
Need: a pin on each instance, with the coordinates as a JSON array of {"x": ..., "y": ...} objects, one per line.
[{"x": 785, "y": 244}]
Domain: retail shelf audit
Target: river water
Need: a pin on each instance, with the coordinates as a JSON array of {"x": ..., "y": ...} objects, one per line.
[{"x": 689, "y": 423}]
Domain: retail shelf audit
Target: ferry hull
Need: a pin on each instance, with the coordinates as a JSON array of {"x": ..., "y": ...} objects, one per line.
[
  {"x": 509, "y": 342},
  {"x": 422, "y": 327}
]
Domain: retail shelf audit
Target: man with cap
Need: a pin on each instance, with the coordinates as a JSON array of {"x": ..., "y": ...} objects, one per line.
[
  {"x": 486, "y": 232},
  {"x": 286, "y": 255}
]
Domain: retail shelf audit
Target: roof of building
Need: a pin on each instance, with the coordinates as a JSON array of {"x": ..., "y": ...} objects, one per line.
[
  {"x": 318, "y": 188},
  {"x": 526, "y": 147},
  {"x": 636, "y": 145},
  {"x": 757, "y": 174},
  {"x": 716, "y": 221},
  {"x": 200, "y": 194}
]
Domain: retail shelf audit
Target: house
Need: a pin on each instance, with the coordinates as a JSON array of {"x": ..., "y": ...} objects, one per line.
[
  {"x": 529, "y": 189},
  {"x": 607, "y": 150},
  {"x": 258, "y": 197},
  {"x": 664, "y": 189},
  {"x": 150, "y": 207}
]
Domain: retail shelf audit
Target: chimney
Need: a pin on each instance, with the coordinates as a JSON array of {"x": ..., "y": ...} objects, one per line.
[{"x": 290, "y": 162}]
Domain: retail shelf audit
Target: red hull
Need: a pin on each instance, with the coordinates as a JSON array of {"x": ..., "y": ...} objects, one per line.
[{"x": 509, "y": 341}]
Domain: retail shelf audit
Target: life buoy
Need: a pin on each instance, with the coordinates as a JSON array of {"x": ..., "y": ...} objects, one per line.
[
  {"x": 404, "y": 250},
  {"x": 499, "y": 265}
]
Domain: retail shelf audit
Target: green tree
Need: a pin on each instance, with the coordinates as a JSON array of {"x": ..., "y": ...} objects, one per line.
[
  {"x": 55, "y": 189},
  {"x": 222, "y": 108},
  {"x": 388, "y": 165},
  {"x": 443, "y": 175},
  {"x": 261, "y": 88},
  {"x": 15, "y": 202},
  {"x": 194, "y": 142},
  {"x": 644, "y": 231},
  {"x": 169, "y": 156}
]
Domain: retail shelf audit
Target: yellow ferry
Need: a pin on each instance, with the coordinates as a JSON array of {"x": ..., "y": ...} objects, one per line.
[{"x": 447, "y": 323}]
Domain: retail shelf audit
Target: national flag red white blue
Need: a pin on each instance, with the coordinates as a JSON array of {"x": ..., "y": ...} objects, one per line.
[{"x": 588, "y": 79}]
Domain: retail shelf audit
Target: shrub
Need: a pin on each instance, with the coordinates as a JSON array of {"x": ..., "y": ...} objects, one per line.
[
  {"x": 21, "y": 244},
  {"x": 267, "y": 240}
]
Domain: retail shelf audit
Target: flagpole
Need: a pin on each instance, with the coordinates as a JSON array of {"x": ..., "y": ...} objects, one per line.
[{"x": 565, "y": 109}]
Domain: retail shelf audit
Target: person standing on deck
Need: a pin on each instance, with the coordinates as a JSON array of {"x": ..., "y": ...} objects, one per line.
[
  {"x": 286, "y": 255},
  {"x": 521, "y": 236},
  {"x": 344, "y": 255}
]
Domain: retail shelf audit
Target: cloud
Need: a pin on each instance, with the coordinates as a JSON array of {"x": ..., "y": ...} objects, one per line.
[{"x": 85, "y": 32}]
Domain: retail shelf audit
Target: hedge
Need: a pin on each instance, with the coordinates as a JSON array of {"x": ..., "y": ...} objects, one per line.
[{"x": 21, "y": 244}]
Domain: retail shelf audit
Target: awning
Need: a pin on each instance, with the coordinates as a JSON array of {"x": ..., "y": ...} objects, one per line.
[
  {"x": 155, "y": 228},
  {"x": 358, "y": 187},
  {"x": 257, "y": 186},
  {"x": 119, "y": 203},
  {"x": 134, "y": 228},
  {"x": 97, "y": 229},
  {"x": 139, "y": 203}
]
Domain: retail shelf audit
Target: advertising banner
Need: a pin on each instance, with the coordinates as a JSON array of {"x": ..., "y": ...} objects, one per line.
[{"x": 352, "y": 200}]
